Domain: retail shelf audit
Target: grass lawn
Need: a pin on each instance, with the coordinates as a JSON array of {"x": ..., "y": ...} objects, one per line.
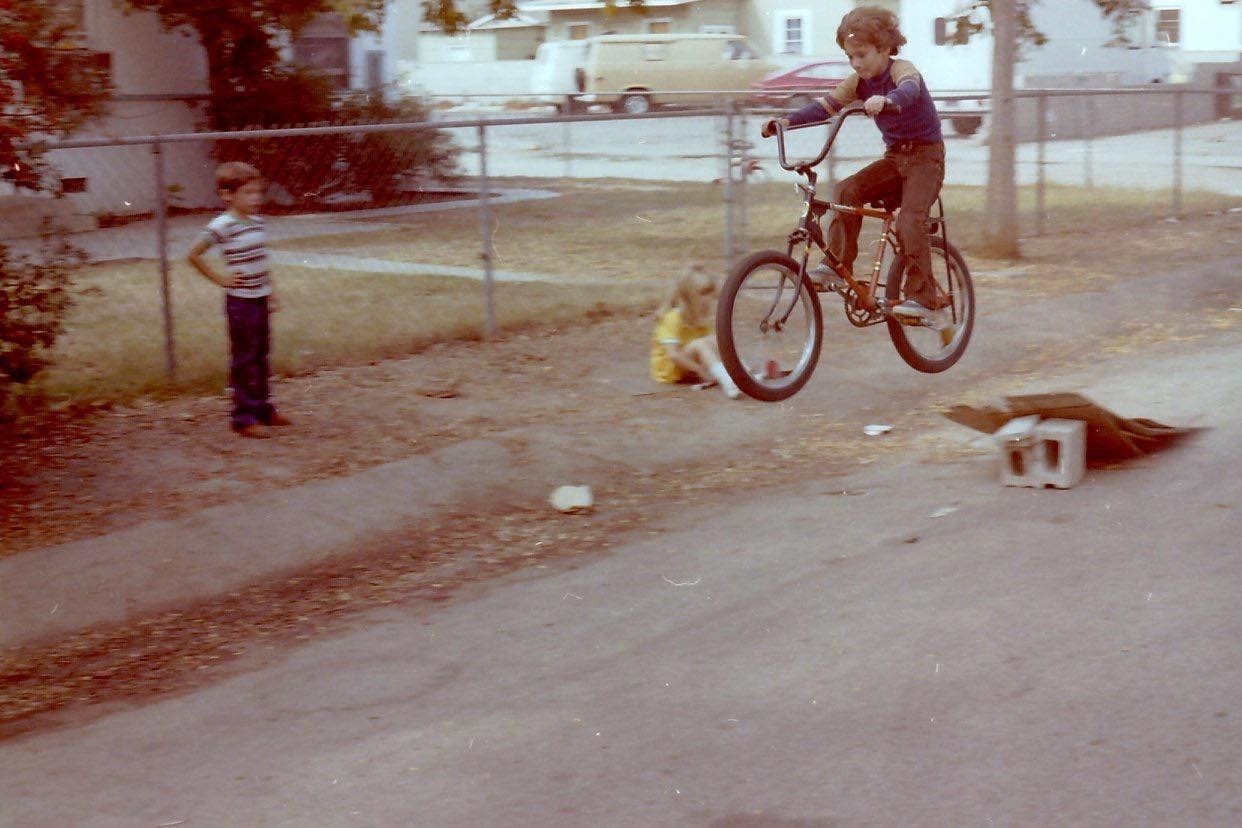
[{"x": 633, "y": 238}]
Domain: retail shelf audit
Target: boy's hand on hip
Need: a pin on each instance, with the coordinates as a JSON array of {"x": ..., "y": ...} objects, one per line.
[{"x": 227, "y": 280}]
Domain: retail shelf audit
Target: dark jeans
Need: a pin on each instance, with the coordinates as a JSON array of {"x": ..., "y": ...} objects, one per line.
[
  {"x": 249, "y": 341},
  {"x": 916, "y": 172}
]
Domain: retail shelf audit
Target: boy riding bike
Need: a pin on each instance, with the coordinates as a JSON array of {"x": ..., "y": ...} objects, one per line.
[{"x": 893, "y": 92}]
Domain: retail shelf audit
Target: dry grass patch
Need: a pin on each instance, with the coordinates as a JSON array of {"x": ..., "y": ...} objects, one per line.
[
  {"x": 630, "y": 239},
  {"x": 114, "y": 346}
]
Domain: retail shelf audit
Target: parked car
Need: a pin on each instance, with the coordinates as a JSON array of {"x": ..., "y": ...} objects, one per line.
[
  {"x": 555, "y": 75},
  {"x": 797, "y": 87},
  {"x": 636, "y": 73}
]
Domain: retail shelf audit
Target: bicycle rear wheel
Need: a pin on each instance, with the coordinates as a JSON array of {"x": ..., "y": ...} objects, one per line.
[
  {"x": 939, "y": 342},
  {"x": 769, "y": 326}
]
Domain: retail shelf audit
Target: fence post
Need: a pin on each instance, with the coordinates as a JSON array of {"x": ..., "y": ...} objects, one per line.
[
  {"x": 485, "y": 223},
  {"x": 1088, "y": 125},
  {"x": 728, "y": 187},
  {"x": 1039, "y": 177},
  {"x": 744, "y": 160},
  {"x": 1177, "y": 153},
  {"x": 161, "y": 231},
  {"x": 569, "y": 161}
]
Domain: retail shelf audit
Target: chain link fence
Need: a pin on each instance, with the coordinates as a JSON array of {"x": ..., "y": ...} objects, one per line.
[{"x": 532, "y": 218}]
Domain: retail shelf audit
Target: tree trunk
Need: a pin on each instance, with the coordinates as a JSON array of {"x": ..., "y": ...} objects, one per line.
[{"x": 1001, "y": 205}]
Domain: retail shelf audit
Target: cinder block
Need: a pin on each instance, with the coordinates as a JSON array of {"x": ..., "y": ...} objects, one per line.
[
  {"x": 1038, "y": 453},
  {"x": 1017, "y": 445},
  {"x": 1063, "y": 451}
]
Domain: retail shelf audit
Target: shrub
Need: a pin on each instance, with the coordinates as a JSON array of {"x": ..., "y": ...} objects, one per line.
[
  {"x": 34, "y": 297},
  {"x": 381, "y": 162},
  {"x": 313, "y": 167}
]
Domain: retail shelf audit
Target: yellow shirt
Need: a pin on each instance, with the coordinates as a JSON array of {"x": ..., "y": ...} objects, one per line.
[{"x": 671, "y": 330}]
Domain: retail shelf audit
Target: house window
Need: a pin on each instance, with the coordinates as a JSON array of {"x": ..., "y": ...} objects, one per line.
[
  {"x": 375, "y": 70},
  {"x": 72, "y": 15},
  {"x": 792, "y": 33},
  {"x": 663, "y": 26},
  {"x": 326, "y": 56},
  {"x": 77, "y": 67},
  {"x": 739, "y": 50},
  {"x": 712, "y": 28},
  {"x": 577, "y": 31},
  {"x": 458, "y": 50},
  {"x": 1169, "y": 26}
]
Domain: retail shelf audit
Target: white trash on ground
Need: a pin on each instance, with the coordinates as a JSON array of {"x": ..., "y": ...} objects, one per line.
[{"x": 572, "y": 500}]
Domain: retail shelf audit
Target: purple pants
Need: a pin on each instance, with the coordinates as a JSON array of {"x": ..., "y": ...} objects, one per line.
[
  {"x": 916, "y": 171},
  {"x": 249, "y": 342}
]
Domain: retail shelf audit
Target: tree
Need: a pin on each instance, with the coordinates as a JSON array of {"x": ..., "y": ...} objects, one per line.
[
  {"x": 241, "y": 38},
  {"x": 1000, "y": 210},
  {"x": 1011, "y": 27},
  {"x": 47, "y": 88}
]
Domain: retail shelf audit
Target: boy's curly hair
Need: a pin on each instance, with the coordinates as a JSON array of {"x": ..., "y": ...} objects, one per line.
[
  {"x": 874, "y": 25},
  {"x": 233, "y": 175}
]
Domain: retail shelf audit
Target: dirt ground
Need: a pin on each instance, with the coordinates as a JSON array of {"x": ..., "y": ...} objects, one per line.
[
  {"x": 73, "y": 477},
  {"x": 69, "y": 477}
]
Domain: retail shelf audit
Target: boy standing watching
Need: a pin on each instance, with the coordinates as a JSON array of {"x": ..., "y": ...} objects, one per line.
[
  {"x": 893, "y": 92},
  {"x": 249, "y": 297}
]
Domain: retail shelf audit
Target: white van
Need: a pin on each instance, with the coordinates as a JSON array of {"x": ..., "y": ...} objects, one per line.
[
  {"x": 634, "y": 73},
  {"x": 553, "y": 80}
]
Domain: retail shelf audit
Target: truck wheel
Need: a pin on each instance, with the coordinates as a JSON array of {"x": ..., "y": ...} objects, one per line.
[
  {"x": 966, "y": 126},
  {"x": 635, "y": 104}
]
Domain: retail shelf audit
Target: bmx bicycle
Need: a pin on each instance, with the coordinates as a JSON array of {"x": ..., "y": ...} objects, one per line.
[{"x": 769, "y": 319}]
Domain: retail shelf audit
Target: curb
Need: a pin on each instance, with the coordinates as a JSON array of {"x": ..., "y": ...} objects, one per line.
[{"x": 54, "y": 592}]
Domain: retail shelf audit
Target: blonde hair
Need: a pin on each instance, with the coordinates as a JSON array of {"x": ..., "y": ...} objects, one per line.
[
  {"x": 233, "y": 175},
  {"x": 695, "y": 281},
  {"x": 874, "y": 25}
]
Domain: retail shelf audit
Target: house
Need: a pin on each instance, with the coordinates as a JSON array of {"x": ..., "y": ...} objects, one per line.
[
  {"x": 789, "y": 31},
  {"x": 160, "y": 87},
  {"x": 792, "y": 31},
  {"x": 487, "y": 39}
]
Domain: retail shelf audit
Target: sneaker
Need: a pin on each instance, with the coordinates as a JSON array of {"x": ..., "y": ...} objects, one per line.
[
  {"x": 278, "y": 419},
  {"x": 256, "y": 431},
  {"x": 825, "y": 278},
  {"x": 911, "y": 309}
]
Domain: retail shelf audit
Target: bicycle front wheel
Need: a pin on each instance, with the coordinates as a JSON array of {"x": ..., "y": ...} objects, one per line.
[
  {"x": 769, "y": 326},
  {"x": 938, "y": 342}
]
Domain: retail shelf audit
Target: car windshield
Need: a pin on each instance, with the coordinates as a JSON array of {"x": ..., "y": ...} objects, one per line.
[{"x": 825, "y": 71}]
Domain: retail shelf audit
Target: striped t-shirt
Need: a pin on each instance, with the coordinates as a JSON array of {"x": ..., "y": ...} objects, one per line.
[{"x": 243, "y": 241}]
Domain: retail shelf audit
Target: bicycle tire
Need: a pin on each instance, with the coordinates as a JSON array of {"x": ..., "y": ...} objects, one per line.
[
  {"x": 769, "y": 326},
  {"x": 907, "y": 339}
]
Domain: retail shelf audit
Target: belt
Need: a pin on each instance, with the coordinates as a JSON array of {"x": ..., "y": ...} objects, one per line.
[{"x": 911, "y": 145}]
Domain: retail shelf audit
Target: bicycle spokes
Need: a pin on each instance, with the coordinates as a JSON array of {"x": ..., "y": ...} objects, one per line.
[
  {"x": 937, "y": 341},
  {"x": 769, "y": 326}
]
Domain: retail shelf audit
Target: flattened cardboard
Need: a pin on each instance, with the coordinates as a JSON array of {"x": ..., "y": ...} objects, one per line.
[{"x": 1109, "y": 437}]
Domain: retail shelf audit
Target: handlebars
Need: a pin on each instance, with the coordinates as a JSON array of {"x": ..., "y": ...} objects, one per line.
[{"x": 835, "y": 123}]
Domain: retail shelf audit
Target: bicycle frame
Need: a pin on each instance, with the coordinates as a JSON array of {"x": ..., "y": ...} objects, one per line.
[
  {"x": 869, "y": 308},
  {"x": 771, "y": 354}
]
